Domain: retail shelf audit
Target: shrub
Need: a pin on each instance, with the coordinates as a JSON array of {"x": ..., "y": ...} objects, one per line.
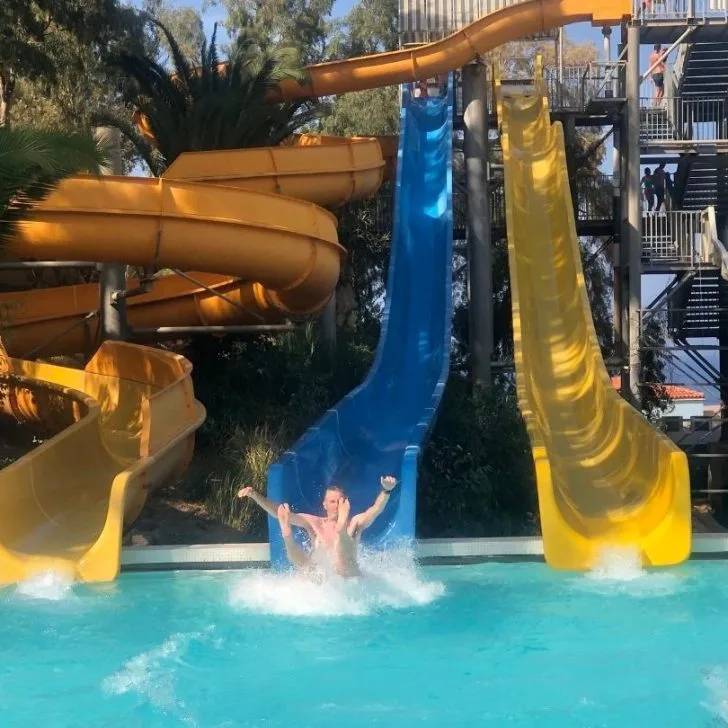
[{"x": 477, "y": 474}]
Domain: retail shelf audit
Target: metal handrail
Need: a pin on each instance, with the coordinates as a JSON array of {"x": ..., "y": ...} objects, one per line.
[
  {"x": 712, "y": 250},
  {"x": 681, "y": 10},
  {"x": 694, "y": 118}
]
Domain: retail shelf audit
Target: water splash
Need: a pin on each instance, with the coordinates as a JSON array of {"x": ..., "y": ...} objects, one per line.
[
  {"x": 618, "y": 571},
  {"x": 50, "y": 585},
  {"x": 715, "y": 680},
  {"x": 618, "y": 563},
  {"x": 390, "y": 580},
  {"x": 152, "y": 675}
]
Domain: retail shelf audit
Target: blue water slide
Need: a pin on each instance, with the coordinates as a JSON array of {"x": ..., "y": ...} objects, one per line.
[{"x": 379, "y": 428}]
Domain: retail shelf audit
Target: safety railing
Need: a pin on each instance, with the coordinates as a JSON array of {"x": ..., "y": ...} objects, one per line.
[
  {"x": 674, "y": 237},
  {"x": 565, "y": 87},
  {"x": 600, "y": 80},
  {"x": 712, "y": 250},
  {"x": 647, "y": 10},
  {"x": 697, "y": 119},
  {"x": 595, "y": 196}
]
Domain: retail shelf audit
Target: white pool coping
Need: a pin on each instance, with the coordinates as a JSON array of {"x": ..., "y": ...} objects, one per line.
[{"x": 234, "y": 555}]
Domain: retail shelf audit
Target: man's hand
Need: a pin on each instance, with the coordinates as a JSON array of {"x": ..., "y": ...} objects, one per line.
[
  {"x": 246, "y": 492},
  {"x": 388, "y": 483}
]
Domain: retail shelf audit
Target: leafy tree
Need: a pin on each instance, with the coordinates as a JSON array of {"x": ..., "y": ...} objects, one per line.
[
  {"x": 300, "y": 24},
  {"x": 209, "y": 107},
  {"x": 183, "y": 22},
  {"x": 52, "y": 50},
  {"x": 655, "y": 400}
]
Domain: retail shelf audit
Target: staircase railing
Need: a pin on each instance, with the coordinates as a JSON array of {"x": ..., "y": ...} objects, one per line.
[
  {"x": 671, "y": 237},
  {"x": 712, "y": 250}
]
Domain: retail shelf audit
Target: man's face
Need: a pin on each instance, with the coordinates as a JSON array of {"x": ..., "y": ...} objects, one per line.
[{"x": 331, "y": 503}]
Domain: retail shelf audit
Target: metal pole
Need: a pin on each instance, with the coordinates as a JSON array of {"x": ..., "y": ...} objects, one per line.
[
  {"x": 561, "y": 55},
  {"x": 328, "y": 326},
  {"x": 190, "y": 330},
  {"x": 666, "y": 53},
  {"x": 32, "y": 264},
  {"x": 113, "y": 275},
  {"x": 617, "y": 247},
  {"x": 634, "y": 218},
  {"x": 480, "y": 263},
  {"x": 607, "y": 33}
]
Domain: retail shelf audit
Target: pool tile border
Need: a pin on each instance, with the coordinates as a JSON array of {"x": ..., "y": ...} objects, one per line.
[{"x": 429, "y": 551}]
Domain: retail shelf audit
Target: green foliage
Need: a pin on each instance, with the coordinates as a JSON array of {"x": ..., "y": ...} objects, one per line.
[
  {"x": 655, "y": 399},
  {"x": 209, "y": 107},
  {"x": 363, "y": 113},
  {"x": 184, "y": 23},
  {"x": 261, "y": 395},
  {"x": 31, "y": 164},
  {"x": 299, "y": 24},
  {"x": 477, "y": 476},
  {"x": 51, "y": 58},
  {"x": 365, "y": 229}
]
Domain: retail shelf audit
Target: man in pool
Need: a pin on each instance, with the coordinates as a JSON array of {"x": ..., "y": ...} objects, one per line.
[{"x": 335, "y": 533}]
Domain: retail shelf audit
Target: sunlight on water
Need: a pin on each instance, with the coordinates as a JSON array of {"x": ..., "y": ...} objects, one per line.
[
  {"x": 390, "y": 580},
  {"x": 618, "y": 570},
  {"x": 50, "y": 585},
  {"x": 715, "y": 680},
  {"x": 152, "y": 675}
]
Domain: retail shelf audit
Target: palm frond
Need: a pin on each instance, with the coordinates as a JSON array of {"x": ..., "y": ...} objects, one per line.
[
  {"x": 32, "y": 163},
  {"x": 151, "y": 156}
]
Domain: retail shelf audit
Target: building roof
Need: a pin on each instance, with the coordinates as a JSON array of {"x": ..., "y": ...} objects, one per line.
[{"x": 674, "y": 391}]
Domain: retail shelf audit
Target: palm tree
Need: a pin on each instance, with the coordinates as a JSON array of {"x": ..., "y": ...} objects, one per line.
[
  {"x": 209, "y": 106},
  {"x": 32, "y": 162}
]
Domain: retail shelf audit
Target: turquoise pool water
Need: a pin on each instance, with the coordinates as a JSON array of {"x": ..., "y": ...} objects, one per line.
[{"x": 491, "y": 644}]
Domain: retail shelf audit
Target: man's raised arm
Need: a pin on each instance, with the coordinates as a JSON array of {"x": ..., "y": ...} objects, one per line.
[
  {"x": 363, "y": 520},
  {"x": 271, "y": 507}
]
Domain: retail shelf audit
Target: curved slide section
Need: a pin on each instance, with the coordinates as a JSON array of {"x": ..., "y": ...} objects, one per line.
[
  {"x": 129, "y": 420},
  {"x": 440, "y": 57},
  {"x": 605, "y": 477},
  {"x": 379, "y": 428},
  {"x": 287, "y": 267}
]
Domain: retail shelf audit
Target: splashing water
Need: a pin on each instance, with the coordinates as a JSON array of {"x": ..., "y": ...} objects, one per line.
[
  {"x": 618, "y": 563},
  {"x": 715, "y": 680},
  {"x": 389, "y": 579},
  {"x": 49, "y": 585},
  {"x": 152, "y": 675},
  {"x": 618, "y": 570}
]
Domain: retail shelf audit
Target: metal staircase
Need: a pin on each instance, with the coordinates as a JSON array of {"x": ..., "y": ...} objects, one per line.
[
  {"x": 698, "y": 309},
  {"x": 704, "y": 70}
]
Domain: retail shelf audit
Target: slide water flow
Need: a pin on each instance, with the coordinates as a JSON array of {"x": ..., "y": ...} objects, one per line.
[{"x": 379, "y": 427}]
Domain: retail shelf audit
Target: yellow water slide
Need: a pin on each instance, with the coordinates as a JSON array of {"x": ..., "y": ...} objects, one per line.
[
  {"x": 605, "y": 476},
  {"x": 126, "y": 421},
  {"x": 252, "y": 223}
]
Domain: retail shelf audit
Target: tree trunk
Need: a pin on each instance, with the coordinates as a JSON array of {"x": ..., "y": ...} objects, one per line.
[{"x": 7, "y": 86}]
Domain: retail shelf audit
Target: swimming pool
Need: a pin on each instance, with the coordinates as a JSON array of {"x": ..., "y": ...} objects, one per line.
[{"x": 488, "y": 644}]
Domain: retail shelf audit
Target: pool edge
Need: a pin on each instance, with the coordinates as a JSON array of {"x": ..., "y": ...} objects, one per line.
[{"x": 435, "y": 551}]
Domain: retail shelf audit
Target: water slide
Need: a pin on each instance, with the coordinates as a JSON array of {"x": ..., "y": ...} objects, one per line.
[
  {"x": 378, "y": 429},
  {"x": 195, "y": 220},
  {"x": 605, "y": 476},
  {"x": 271, "y": 198}
]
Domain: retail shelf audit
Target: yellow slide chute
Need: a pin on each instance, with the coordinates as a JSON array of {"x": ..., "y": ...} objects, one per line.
[{"x": 605, "y": 476}]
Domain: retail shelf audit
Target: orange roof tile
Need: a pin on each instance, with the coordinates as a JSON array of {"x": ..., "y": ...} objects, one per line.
[{"x": 674, "y": 391}]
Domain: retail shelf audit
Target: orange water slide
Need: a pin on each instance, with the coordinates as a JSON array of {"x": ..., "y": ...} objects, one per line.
[{"x": 253, "y": 220}]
